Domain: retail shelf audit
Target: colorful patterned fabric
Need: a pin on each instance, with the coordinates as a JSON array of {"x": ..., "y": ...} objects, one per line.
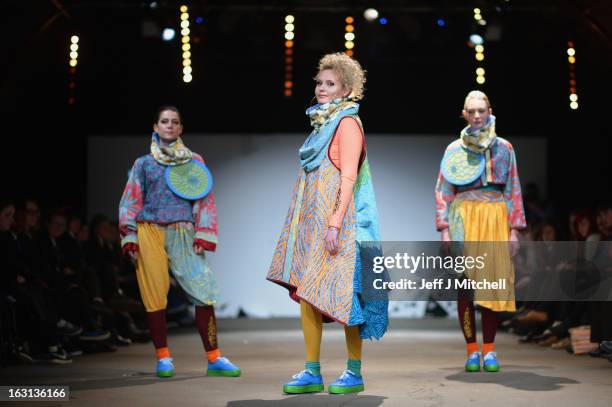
[
  {"x": 330, "y": 283},
  {"x": 461, "y": 166},
  {"x": 147, "y": 198},
  {"x": 325, "y": 119},
  {"x": 172, "y": 244},
  {"x": 172, "y": 154},
  {"x": 503, "y": 175},
  {"x": 480, "y": 218},
  {"x": 481, "y": 140}
]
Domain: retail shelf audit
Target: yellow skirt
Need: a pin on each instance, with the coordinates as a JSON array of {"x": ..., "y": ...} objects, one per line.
[{"x": 480, "y": 219}]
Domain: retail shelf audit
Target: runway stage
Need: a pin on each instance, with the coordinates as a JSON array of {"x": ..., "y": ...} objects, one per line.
[{"x": 418, "y": 363}]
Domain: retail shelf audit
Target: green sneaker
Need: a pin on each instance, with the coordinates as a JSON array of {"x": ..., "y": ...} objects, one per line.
[
  {"x": 304, "y": 382},
  {"x": 473, "y": 363},
  {"x": 490, "y": 362}
]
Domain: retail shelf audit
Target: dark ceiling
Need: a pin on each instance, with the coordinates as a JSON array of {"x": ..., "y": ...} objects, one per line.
[{"x": 418, "y": 75}]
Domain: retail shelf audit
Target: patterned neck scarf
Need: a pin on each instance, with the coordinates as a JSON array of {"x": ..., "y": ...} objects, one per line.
[
  {"x": 480, "y": 140},
  {"x": 171, "y": 154},
  {"x": 324, "y": 119},
  {"x": 322, "y": 113}
]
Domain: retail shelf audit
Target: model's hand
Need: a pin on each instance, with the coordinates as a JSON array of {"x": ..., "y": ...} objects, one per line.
[
  {"x": 198, "y": 249},
  {"x": 331, "y": 240},
  {"x": 513, "y": 243},
  {"x": 131, "y": 250}
]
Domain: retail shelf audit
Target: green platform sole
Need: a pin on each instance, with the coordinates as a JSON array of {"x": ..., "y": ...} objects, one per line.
[
  {"x": 224, "y": 373},
  {"x": 472, "y": 368},
  {"x": 492, "y": 369},
  {"x": 345, "y": 389},
  {"x": 313, "y": 388},
  {"x": 165, "y": 373}
]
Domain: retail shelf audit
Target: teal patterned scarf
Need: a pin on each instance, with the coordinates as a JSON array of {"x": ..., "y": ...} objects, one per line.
[{"x": 324, "y": 119}]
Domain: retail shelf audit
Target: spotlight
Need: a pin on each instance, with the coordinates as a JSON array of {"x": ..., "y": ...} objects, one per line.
[
  {"x": 371, "y": 14},
  {"x": 383, "y": 21},
  {"x": 476, "y": 39},
  {"x": 168, "y": 34},
  {"x": 441, "y": 22}
]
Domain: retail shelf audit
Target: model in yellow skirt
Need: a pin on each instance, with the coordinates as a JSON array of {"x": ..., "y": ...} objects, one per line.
[{"x": 478, "y": 202}]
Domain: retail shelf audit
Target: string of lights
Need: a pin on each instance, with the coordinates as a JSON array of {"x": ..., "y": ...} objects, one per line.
[
  {"x": 289, "y": 42},
  {"x": 73, "y": 62},
  {"x": 186, "y": 47}
]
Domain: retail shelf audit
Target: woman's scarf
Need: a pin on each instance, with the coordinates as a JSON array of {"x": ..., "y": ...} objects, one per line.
[
  {"x": 174, "y": 153},
  {"x": 481, "y": 141},
  {"x": 324, "y": 118}
]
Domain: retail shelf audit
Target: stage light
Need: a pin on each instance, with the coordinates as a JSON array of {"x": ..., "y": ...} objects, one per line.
[
  {"x": 480, "y": 71},
  {"x": 199, "y": 20},
  {"x": 480, "y": 80},
  {"x": 441, "y": 22},
  {"x": 479, "y": 56},
  {"x": 476, "y": 39},
  {"x": 168, "y": 34},
  {"x": 186, "y": 40},
  {"x": 573, "y": 91},
  {"x": 479, "y": 48},
  {"x": 289, "y": 42},
  {"x": 370, "y": 14},
  {"x": 349, "y": 35},
  {"x": 74, "y": 39},
  {"x": 383, "y": 21}
]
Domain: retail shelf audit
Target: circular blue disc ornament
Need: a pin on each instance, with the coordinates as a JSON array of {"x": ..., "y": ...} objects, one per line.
[
  {"x": 191, "y": 181},
  {"x": 461, "y": 166}
]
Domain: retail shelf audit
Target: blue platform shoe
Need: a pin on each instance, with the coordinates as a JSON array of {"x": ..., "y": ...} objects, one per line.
[
  {"x": 304, "y": 382},
  {"x": 348, "y": 382}
]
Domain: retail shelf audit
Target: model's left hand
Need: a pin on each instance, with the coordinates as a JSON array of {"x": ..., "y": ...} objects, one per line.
[
  {"x": 198, "y": 249},
  {"x": 514, "y": 242},
  {"x": 331, "y": 240}
]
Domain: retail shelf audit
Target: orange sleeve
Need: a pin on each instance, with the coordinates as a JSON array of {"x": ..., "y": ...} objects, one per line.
[{"x": 350, "y": 144}]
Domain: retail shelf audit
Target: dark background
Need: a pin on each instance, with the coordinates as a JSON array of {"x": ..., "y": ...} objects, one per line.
[{"x": 418, "y": 75}]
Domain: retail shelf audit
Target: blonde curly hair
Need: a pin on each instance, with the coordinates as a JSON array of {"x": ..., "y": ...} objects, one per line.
[{"x": 349, "y": 72}]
